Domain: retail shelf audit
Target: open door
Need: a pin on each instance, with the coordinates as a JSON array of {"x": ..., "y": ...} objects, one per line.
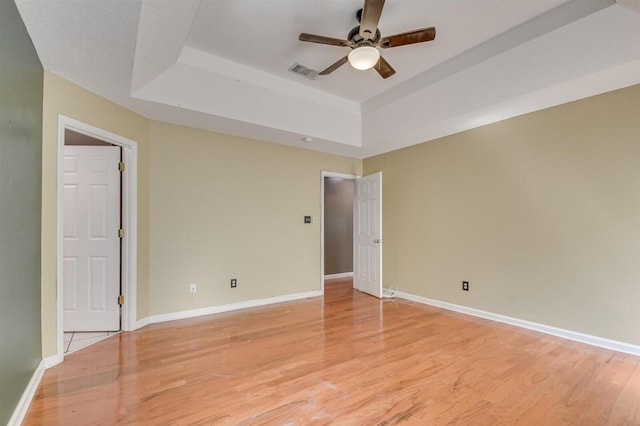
[
  {"x": 367, "y": 229},
  {"x": 91, "y": 245}
]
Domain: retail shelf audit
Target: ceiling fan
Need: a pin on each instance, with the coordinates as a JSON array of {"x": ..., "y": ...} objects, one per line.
[{"x": 365, "y": 39}]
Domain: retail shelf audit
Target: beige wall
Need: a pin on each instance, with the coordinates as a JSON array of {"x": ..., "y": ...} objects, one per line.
[
  {"x": 338, "y": 225},
  {"x": 213, "y": 207},
  {"x": 63, "y": 97},
  {"x": 541, "y": 213},
  {"x": 223, "y": 207}
]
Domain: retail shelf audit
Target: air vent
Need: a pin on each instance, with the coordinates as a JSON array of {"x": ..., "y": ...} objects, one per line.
[{"x": 303, "y": 71}]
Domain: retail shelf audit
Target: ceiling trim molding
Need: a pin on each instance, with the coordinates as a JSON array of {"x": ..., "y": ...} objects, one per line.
[
  {"x": 534, "y": 28},
  {"x": 242, "y": 73},
  {"x": 162, "y": 31}
]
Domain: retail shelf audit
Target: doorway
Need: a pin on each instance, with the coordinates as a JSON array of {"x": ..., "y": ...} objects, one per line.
[
  {"x": 367, "y": 232},
  {"x": 338, "y": 227},
  {"x": 323, "y": 232},
  {"x": 126, "y": 216},
  {"x": 91, "y": 243}
]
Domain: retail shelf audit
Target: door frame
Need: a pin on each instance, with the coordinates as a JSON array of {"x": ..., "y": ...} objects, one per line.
[
  {"x": 322, "y": 176},
  {"x": 129, "y": 221}
]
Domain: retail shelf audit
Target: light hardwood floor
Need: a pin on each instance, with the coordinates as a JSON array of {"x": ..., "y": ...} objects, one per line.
[{"x": 346, "y": 359}]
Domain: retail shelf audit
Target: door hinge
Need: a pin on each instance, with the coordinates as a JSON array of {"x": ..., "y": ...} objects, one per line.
[
  {"x": 120, "y": 233},
  {"x": 121, "y": 300},
  {"x": 121, "y": 166}
]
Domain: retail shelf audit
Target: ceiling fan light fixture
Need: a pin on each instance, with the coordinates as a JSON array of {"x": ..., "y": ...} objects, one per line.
[{"x": 364, "y": 57}]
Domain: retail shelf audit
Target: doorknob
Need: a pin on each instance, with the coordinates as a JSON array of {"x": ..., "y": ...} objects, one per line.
[{"x": 378, "y": 241}]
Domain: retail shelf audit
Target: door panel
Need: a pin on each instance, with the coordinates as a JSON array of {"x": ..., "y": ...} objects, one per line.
[
  {"x": 98, "y": 209},
  {"x": 367, "y": 274},
  {"x": 70, "y": 278},
  {"x": 91, "y": 246},
  {"x": 98, "y": 283}
]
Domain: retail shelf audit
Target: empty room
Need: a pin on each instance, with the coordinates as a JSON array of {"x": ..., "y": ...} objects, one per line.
[{"x": 357, "y": 212}]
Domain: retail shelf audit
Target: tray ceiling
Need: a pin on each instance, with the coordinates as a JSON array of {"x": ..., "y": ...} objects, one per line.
[{"x": 223, "y": 65}]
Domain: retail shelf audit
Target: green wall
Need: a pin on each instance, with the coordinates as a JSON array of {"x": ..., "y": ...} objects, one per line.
[{"x": 21, "y": 79}]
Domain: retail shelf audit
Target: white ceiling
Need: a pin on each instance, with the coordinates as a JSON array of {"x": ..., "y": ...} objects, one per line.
[{"x": 222, "y": 64}]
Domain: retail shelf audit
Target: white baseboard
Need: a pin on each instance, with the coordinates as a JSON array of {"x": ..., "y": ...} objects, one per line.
[
  {"x": 567, "y": 334},
  {"x": 341, "y": 275},
  {"x": 52, "y": 360},
  {"x": 226, "y": 308},
  {"x": 27, "y": 396},
  {"x": 141, "y": 323}
]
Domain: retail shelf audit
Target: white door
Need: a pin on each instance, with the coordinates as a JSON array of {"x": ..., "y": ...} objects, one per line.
[
  {"x": 367, "y": 229},
  {"x": 91, "y": 245}
]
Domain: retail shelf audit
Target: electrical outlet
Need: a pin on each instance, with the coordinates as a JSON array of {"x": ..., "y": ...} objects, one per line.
[
  {"x": 192, "y": 288},
  {"x": 465, "y": 285},
  {"x": 234, "y": 282}
]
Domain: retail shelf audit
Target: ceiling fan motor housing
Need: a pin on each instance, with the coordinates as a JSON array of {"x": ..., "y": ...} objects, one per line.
[{"x": 356, "y": 38}]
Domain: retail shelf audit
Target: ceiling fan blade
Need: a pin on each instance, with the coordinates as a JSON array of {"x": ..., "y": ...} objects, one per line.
[
  {"x": 416, "y": 36},
  {"x": 370, "y": 18},
  {"x": 335, "y": 66},
  {"x": 384, "y": 69},
  {"x": 324, "y": 40}
]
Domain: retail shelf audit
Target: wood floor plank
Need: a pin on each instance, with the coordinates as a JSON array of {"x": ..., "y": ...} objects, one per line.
[{"x": 345, "y": 358}]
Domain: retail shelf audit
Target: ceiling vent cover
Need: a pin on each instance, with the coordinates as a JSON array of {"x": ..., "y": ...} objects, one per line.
[{"x": 307, "y": 72}]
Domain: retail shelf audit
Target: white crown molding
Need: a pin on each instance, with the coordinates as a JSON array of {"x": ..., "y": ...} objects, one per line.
[
  {"x": 556, "y": 18},
  {"x": 163, "y": 30},
  {"x": 242, "y": 73},
  {"x": 167, "y": 73},
  {"x": 191, "y": 85}
]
